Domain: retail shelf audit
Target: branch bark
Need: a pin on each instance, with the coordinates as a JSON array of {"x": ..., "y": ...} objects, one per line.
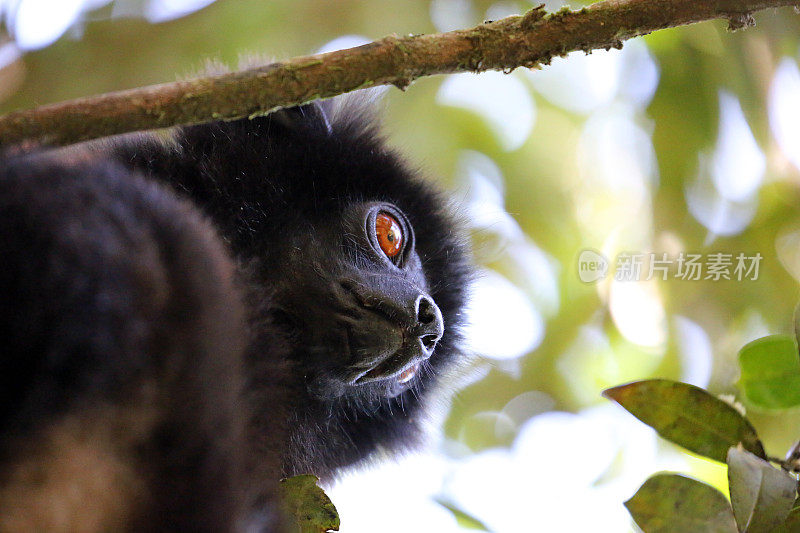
[{"x": 528, "y": 40}]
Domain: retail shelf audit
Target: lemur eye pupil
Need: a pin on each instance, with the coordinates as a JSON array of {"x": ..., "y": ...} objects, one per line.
[{"x": 389, "y": 234}]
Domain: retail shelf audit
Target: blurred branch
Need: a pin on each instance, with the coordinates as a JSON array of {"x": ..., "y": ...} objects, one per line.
[{"x": 528, "y": 40}]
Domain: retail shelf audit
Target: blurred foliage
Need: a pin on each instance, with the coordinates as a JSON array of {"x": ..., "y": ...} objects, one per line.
[
  {"x": 655, "y": 150},
  {"x": 771, "y": 372}
]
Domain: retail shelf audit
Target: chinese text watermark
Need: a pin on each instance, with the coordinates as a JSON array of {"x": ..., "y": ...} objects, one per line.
[{"x": 594, "y": 266}]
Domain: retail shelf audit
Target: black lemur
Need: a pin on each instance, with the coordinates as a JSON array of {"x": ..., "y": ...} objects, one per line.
[{"x": 187, "y": 317}]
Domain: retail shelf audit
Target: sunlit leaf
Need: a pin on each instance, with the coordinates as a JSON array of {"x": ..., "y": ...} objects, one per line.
[
  {"x": 761, "y": 494},
  {"x": 771, "y": 372},
  {"x": 670, "y": 503},
  {"x": 307, "y": 505},
  {"x": 688, "y": 416}
]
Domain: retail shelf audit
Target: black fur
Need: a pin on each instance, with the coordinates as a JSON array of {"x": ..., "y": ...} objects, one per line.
[
  {"x": 111, "y": 293},
  {"x": 112, "y": 278}
]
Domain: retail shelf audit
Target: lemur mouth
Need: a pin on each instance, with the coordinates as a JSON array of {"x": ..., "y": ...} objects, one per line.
[
  {"x": 402, "y": 366},
  {"x": 408, "y": 374},
  {"x": 389, "y": 369}
]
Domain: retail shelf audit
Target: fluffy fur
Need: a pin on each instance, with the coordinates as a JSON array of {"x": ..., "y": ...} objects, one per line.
[{"x": 177, "y": 308}]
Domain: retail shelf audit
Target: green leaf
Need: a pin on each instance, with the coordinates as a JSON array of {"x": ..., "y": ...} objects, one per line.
[
  {"x": 792, "y": 522},
  {"x": 771, "y": 372},
  {"x": 670, "y": 503},
  {"x": 761, "y": 494},
  {"x": 688, "y": 416},
  {"x": 307, "y": 505}
]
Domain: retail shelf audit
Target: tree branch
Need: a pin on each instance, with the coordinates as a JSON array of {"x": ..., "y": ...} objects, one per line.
[{"x": 527, "y": 40}]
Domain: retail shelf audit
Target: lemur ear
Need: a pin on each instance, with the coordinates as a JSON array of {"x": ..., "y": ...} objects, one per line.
[
  {"x": 354, "y": 114},
  {"x": 312, "y": 116}
]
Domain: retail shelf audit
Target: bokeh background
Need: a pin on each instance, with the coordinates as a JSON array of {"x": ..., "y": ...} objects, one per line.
[{"x": 685, "y": 141}]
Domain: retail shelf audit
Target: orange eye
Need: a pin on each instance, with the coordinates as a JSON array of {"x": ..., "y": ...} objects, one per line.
[{"x": 389, "y": 233}]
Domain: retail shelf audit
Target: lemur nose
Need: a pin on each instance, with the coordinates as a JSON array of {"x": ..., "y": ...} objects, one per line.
[
  {"x": 426, "y": 310},
  {"x": 430, "y": 325}
]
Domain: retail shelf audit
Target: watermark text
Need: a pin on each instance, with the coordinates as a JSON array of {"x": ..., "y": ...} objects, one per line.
[{"x": 593, "y": 266}]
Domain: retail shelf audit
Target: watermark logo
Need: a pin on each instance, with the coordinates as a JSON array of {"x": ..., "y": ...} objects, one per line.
[{"x": 592, "y": 266}]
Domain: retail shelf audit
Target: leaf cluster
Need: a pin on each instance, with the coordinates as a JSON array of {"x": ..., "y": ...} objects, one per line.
[{"x": 763, "y": 490}]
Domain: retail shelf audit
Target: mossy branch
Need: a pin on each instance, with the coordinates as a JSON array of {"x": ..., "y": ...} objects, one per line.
[{"x": 528, "y": 40}]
